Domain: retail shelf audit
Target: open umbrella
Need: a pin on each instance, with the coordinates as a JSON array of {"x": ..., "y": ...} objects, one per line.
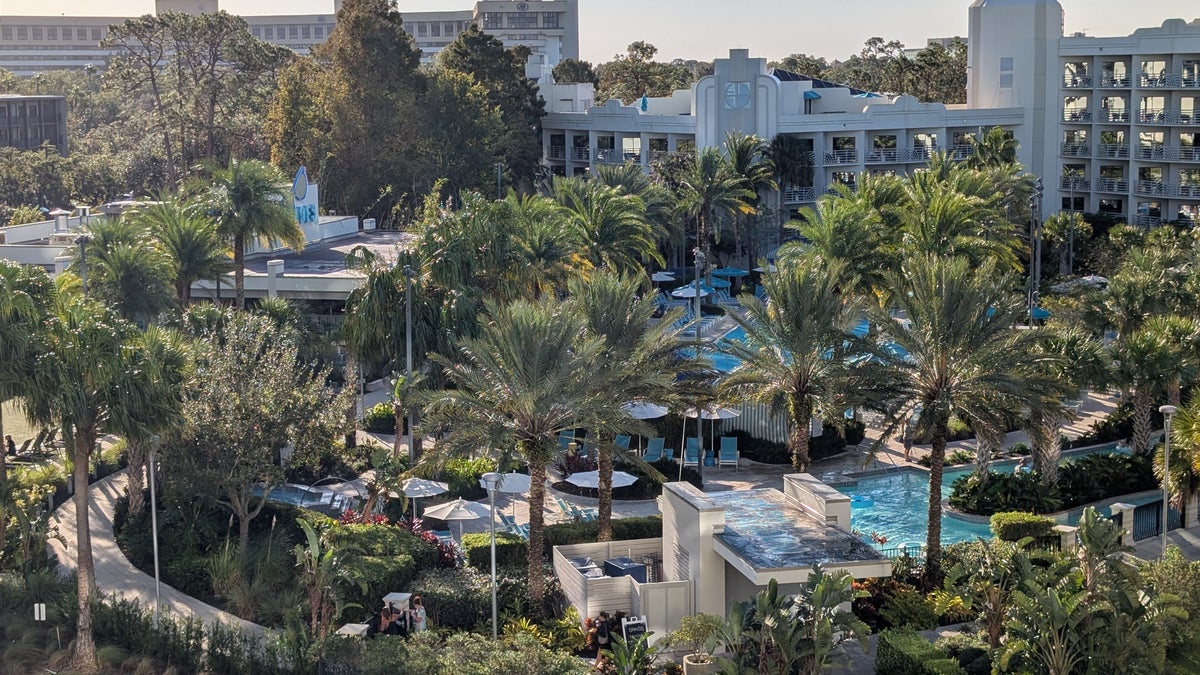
[
  {"x": 460, "y": 510},
  {"x": 591, "y": 479},
  {"x": 419, "y": 487},
  {"x": 688, "y": 292},
  {"x": 717, "y": 283},
  {"x": 708, "y": 413},
  {"x": 643, "y": 410},
  {"x": 768, "y": 268},
  {"x": 512, "y": 483},
  {"x": 662, "y": 276},
  {"x": 730, "y": 272}
]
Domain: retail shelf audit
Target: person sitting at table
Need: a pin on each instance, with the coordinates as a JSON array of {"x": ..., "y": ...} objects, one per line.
[{"x": 416, "y": 615}]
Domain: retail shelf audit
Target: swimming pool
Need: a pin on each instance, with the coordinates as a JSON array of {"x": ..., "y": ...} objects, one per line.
[{"x": 895, "y": 505}]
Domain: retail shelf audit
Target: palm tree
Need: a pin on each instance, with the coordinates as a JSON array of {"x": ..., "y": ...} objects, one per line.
[
  {"x": 937, "y": 219},
  {"x": 131, "y": 276},
  {"x": 792, "y": 160},
  {"x": 533, "y": 372},
  {"x": 612, "y": 225},
  {"x": 1146, "y": 362},
  {"x": 250, "y": 199},
  {"x": 1185, "y": 453},
  {"x": 749, "y": 158},
  {"x": 709, "y": 192},
  {"x": 643, "y": 357},
  {"x": 794, "y": 358},
  {"x": 997, "y": 147},
  {"x": 549, "y": 250},
  {"x": 847, "y": 231},
  {"x": 963, "y": 358},
  {"x": 190, "y": 241},
  {"x": 89, "y": 383}
]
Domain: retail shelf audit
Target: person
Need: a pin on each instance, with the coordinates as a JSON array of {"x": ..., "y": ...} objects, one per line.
[
  {"x": 417, "y": 615},
  {"x": 1023, "y": 466},
  {"x": 10, "y": 445},
  {"x": 602, "y": 636},
  {"x": 908, "y": 440},
  {"x": 384, "y": 624}
]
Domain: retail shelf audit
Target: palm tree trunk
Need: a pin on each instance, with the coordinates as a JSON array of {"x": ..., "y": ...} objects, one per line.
[
  {"x": 136, "y": 473},
  {"x": 351, "y": 414},
  {"x": 933, "y": 541},
  {"x": 799, "y": 441},
  {"x": 605, "y": 467},
  {"x": 239, "y": 271},
  {"x": 537, "y": 522},
  {"x": 1173, "y": 391},
  {"x": 3, "y": 473},
  {"x": 1051, "y": 450},
  {"x": 1141, "y": 421},
  {"x": 84, "y": 659}
]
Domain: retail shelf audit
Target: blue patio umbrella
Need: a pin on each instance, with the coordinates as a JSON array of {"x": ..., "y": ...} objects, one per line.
[
  {"x": 810, "y": 95},
  {"x": 717, "y": 283},
  {"x": 730, "y": 272},
  {"x": 868, "y": 94},
  {"x": 1041, "y": 314}
]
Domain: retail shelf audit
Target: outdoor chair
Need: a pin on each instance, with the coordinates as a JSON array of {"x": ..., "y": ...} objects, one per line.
[
  {"x": 444, "y": 536},
  {"x": 691, "y": 453},
  {"x": 654, "y": 450},
  {"x": 565, "y": 439},
  {"x": 622, "y": 442},
  {"x": 728, "y": 452}
]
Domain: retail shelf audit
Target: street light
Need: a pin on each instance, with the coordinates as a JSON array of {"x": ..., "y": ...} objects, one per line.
[
  {"x": 701, "y": 265},
  {"x": 154, "y": 441},
  {"x": 83, "y": 240},
  {"x": 1035, "y": 245},
  {"x": 1167, "y": 411},
  {"x": 409, "y": 273},
  {"x": 491, "y": 480}
]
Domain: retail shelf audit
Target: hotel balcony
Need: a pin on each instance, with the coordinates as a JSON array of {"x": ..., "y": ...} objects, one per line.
[
  {"x": 1111, "y": 82},
  {"x": 961, "y": 152},
  {"x": 1077, "y": 115},
  {"x": 1077, "y": 82},
  {"x": 1154, "y": 188},
  {"x": 1118, "y": 116},
  {"x": 883, "y": 155},
  {"x": 614, "y": 156},
  {"x": 799, "y": 195},
  {"x": 1074, "y": 184},
  {"x": 1150, "y": 152},
  {"x": 842, "y": 157},
  {"x": 1162, "y": 80},
  {"x": 1186, "y": 154},
  {"x": 557, "y": 152},
  {"x": 1075, "y": 150},
  {"x": 581, "y": 154},
  {"x": 1117, "y": 185},
  {"x": 1113, "y": 151},
  {"x": 1148, "y": 221}
]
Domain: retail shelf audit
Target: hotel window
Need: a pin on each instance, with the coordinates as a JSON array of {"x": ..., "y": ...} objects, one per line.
[
  {"x": 1112, "y": 206},
  {"x": 522, "y": 20},
  {"x": 256, "y": 31},
  {"x": 306, "y": 32},
  {"x": 1006, "y": 72},
  {"x": 37, "y": 32},
  {"x": 6, "y": 33},
  {"x": 81, "y": 34},
  {"x": 493, "y": 20},
  {"x": 1073, "y": 204},
  {"x": 448, "y": 29},
  {"x": 422, "y": 30},
  {"x": 550, "y": 20},
  {"x": 435, "y": 29},
  {"x": 293, "y": 32},
  {"x": 22, "y": 33},
  {"x": 51, "y": 33},
  {"x": 96, "y": 34}
]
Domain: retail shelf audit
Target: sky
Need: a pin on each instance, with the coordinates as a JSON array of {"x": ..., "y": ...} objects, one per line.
[{"x": 706, "y": 29}]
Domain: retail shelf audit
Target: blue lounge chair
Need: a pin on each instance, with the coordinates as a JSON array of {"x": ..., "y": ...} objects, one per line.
[
  {"x": 654, "y": 450},
  {"x": 728, "y": 453},
  {"x": 691, "y": 453},
  {"x": 622, "y": 442},
  {"x": 566, "y": 438}
]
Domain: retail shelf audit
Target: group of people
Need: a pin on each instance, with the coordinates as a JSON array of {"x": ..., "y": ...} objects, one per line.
[{"x": 394, "y": 620}]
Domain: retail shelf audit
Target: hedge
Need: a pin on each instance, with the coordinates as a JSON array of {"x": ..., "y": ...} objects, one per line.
[
  {"x": 906, "y": 652},
  {"x": 831, "y": 442},
  {"x": 564, "y": 534},
  {"x": 381, "y": 540},
  {"x": 1016, "y": 525},
  {"x": 380, "y": 419},
  {"x": 382, "y": 558},
  {"x": 510, "y": 550}
]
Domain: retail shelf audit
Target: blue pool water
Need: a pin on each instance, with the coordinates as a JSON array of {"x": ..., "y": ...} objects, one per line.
[{"x": 896, "y": 505}]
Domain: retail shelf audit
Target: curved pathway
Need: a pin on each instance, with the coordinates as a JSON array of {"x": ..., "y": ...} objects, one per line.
[{"x": 114, "y": 573}]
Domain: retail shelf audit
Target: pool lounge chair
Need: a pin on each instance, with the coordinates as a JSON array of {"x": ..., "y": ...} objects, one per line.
[
  {"x": 654, "y": 450},
  {"x": 622, "y": 442},
  {"x": 691, "y": 453},
  {"x": 728, "y": 453}
]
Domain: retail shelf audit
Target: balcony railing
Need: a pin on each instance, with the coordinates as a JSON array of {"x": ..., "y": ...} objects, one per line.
[
  {"x": 882, "y": 155},
  {"x": 1148, "y": 221},
  {"x": 1075, "y": 150},
  {"x": 842, "y": 157},
  {"x": 1151, "y": 187},
  {"x": 1119, "y": 185},
  {"x": 961, "y": 151},
  {"x": 1180, "y": 117},
  {"x": 920, "y": 154},
  {"x": 853, "y": 187},
  {"x": 581, "y": 154},
  {"x": 1077, "y": 115},
  {"x": 1074, "y": 183},
  {"x": 1150, "y": 152},
  {"x": 1114, "y": 82},
  {"x": 1189, "y": 154},
  {"x": 1113, "y": 151},
  {"x": 798, "y": 195},
  {"x": 1160, "y": 80},
  {"x": 557, "y": 152},
  {"x": 1113, "y": 116},
  {"x": 1186, "y": 190},
  {"x": 610, "y": 156},
  {"x": 1077, "y": 81}
]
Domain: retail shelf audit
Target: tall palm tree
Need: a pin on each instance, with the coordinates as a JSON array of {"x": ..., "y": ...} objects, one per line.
[
  {"x": 964, "y": 358},
  {"x": 792, "y": 160},
  {"x": 749, "y": 158},
  {"x": 251, "y": 201},
  {"x": 796, "y": 354},
  {"x": 549, "y": 251},
  {"x": 709, "y": 192},
  {"x": 190, "y": 241},
  {"x": 939, "y": 220},
  {"x": 1146, "y": 363},
  {"x": 612, "y": 225},
  {"x": 631, "y": 180},
  {"x": 1185, "y": 453},
  {"x": 533, "y": 372},
  {"x": 89, "y": 383},
  {"x": 643, "y": 358},
  {"x": 133, "y": 277},
  {"x": 996, "y": 147},
  {"x": 847, "y": 231}
]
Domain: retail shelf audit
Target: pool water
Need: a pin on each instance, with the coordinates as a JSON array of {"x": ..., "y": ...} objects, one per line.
[{"x": 895, "y": 505}]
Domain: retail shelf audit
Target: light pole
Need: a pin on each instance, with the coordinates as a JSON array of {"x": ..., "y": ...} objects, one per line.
[
  {"x": 409, "y": 273},
  {"x": 701, "y": 263},
  {"x": 491, "y": 481},
  {"x": 154, "y": 441},
  {"x": 1035, "y": 246},
  {"x": 1167, "y": 411},
  {"x": 83, "y": 240}
]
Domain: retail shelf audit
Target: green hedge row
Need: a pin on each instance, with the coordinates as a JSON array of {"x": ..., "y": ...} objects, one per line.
[
  {"x": 382, "y": 557},
  {"x": 906, "y": 652},
  {"x": 511, "y": 550},
  {"x": 564, "y": 534},
  {"x": 1016, "y": 525}
]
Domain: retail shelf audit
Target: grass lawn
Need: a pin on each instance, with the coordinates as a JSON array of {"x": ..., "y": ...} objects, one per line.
[{"x": 16, "y": 424}]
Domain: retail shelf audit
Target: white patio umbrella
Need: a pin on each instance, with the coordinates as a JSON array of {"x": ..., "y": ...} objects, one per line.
[
  {"x": 591, "y": 479},
  {"x": 643, "y": 410},
  {"x": 460, "y": 510},
  {"x": 512, "y": 483},
  {"x": 420, "y": 487},
  {"x": 688, "y": 292},
  {"x": 708, "y": 413},
  {"x": 659, "y": 277}
]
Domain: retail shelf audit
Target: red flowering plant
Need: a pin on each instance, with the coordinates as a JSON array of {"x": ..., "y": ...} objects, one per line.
[{"x": 447, "y": 550}]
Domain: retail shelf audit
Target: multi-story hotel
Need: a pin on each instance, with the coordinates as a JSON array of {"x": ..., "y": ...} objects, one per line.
[
  {"x": 1110, "y": 123},
  {"x": 26, "y": 122},
  {"x": 550, "y": 28}
]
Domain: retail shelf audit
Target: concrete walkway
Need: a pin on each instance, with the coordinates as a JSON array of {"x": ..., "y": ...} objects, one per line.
[
  {"x": 114, "y": 573},
  {"x": 1188, "y": 541}
]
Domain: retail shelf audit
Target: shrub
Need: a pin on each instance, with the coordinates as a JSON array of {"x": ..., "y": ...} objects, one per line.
[
  {"x": 462, "y": 475},
  {"x": 380, "y": 419},
  {"x": 563, "y": 534},
  {"x": 381, "y": 558},
  {"x": 1080, "y": 481},
  {"x": 510, "y": 550},
  {"x": 971, "y": 652},
  {"x": 905, "y": 652},
  {"x": 956, "y": 458},
  {"x": 1015, "y": 525},
  {"x": 380, "y": 540},
  {"x": 905, "y": 607},
  {"x": 458, "y": 599}
]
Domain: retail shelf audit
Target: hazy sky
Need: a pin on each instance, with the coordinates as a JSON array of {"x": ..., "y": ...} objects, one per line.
[{"x": 705, "y": 29}]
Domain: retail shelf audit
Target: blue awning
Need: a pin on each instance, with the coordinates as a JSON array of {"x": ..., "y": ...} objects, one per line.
[{"x": 810, "y": 95}]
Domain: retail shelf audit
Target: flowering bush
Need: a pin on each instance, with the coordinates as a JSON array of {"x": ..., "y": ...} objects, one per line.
[{"x": 447, "y": 551}]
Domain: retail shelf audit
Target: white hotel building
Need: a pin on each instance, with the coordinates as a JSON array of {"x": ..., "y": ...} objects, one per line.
[
  {"x": 1111, "y": 124},
  {"x": 550, "y": 28}
]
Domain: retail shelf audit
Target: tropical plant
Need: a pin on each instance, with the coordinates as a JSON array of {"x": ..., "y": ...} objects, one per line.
[
  {"x": 709, "y": 192},
  {"x": 322, "y": 578},
  {"x": 1185, "y": 453},
  {"x": 848, "y": 231},
  {"x": 988, "y": 585},
  {"x": 125, "y": 270},
  {"x": 750, "y": 158},
  {"x": 611, "y": 224},
  {"x": 189, "y": 240},
  {"x": 635, "y": 657},
  {"x": 1145, "y": 362},
  {"x": 962, "y": 358},
  {"x": 1047, "y": 628}
]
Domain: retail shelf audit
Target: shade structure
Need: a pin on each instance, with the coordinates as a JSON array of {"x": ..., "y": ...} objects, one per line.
[
  {"x": 688, "y": 292},
  {"x": 460, "y": 510},
  {"x": 1041, "y": 314},
  {"x": 717, "y": 283},
  {"x": 662, "y": 276},
  {"x": 713, "y": 413},
  {"x": 644, "y": 410},
  {"x": 419, "y": 487},
  {"x": 768, "y": 268},
  {"x": 730, "y": 272},
  {"x": 511, "y": 483},
  {"x": 810, "y": 95},
  {"x": 591, "y": 479}
]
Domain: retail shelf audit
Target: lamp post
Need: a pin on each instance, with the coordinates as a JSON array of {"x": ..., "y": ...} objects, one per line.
[
  {"x": 491, "y": 481},
  {"x": 701, "y": 264},
  {"x": 154, "y": 441},
  {"x": 1035, "y": 245},
  {"x": 409, "y": 273},
  {"x": 83, "y": 240},
  {"x": 1167, "y": 411}
]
